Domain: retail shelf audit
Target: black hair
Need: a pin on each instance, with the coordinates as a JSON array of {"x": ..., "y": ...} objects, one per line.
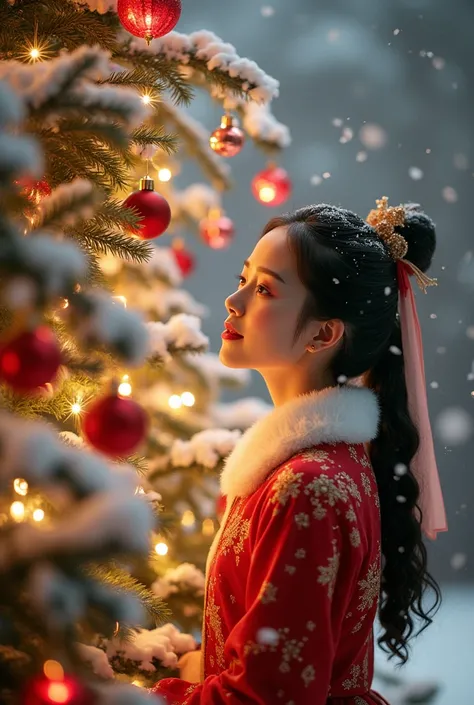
[{"x": 350, "y": 275}]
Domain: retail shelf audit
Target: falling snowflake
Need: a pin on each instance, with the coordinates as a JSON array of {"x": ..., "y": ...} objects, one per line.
[
  {"x": 449, "y": 194},
  {"x": 315, "y": 180},
  {"x": 338, "y": 122},
  {"x": 267, "y": 636},
  {"x": 361, "y": 156},
  {"x": 454, "y": 425},
  {"x": 458, "y": 561},
  {"x": 327, "y": 175},
  {"x": 267, "y": 11},
  {"x": 438, "y": 63},
  {"x": 415, "y": 173},
  {"x": 396, "y": 31},
  {"x": 373, "y": 136},
  {"x": 347, "y": 135},
  {"x": 434, "y": 385}
]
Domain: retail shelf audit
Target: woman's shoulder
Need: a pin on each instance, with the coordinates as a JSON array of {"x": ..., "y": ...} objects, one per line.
[{"x": 324, "y": 476}]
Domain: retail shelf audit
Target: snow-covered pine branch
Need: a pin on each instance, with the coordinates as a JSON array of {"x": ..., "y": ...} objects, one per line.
[
  {"x": 207, "y": 448},
  {"x": 182, "y": 333},
  {"x": 184, "y": 577},
  {"x": 104, "y": 321},
  {"x": 69, "y": 81},
  {"x": 207, "y": 47}
]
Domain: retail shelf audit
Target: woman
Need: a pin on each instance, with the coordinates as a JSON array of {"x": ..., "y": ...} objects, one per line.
[{"x": 324, "y": 511}]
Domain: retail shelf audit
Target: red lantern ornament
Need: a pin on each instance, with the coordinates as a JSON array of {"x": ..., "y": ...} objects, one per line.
[
  {"x": 272, "y": 186},
  {"x": 149, "y": 19},
  {"x": 228, "y": 139},
  {"x": 153, "y": 208},
  {"x": 30, "y": 360},
  {"x": 184, "y": 258},
  {"x": 217, "y": 231},
  {"x": 41, "y": 690},
  {"x": 114, "y": 425}
]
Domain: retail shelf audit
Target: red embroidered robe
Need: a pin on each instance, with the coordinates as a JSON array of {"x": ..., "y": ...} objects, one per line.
[{"x": 293, "y": 576}]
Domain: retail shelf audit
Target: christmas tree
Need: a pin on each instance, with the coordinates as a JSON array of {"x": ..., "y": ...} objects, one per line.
[{"x": 92, "y": 113}]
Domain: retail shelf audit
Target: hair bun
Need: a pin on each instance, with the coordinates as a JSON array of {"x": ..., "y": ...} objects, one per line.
[{"x": 420, "y": 233}]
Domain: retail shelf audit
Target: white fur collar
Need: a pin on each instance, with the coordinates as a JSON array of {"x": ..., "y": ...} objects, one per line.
[{"x": 346, "y": 414}]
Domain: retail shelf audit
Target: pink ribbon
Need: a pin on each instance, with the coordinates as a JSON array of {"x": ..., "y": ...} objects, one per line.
[{"x": 423, "y": 464}]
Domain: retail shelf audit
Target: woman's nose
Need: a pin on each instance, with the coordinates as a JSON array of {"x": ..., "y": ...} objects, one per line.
[{"x": 234, "y": 305}]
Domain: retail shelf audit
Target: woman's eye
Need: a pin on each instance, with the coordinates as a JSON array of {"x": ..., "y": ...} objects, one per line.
[{"x": 260, "y": 289}]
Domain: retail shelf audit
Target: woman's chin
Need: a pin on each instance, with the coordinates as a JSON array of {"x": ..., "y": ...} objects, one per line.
[{"x": 229, "y": 359}]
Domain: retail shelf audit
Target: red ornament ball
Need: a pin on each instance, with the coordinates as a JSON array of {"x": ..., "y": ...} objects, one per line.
[
  {"x": 149, "y": 19},
  {"x": 45, "y": 691},
  {"x": 272, "y": 186},
  {"x": 227, "y": 139},
  {"x": 184, "y": 258},
  {"x": 30, "y": 360},
  {"x": 217, "y": 233},
  {"x": 115, "y": 426},
  {"x": 34, "y": 191},
  {"x": 154, "y": 210}
]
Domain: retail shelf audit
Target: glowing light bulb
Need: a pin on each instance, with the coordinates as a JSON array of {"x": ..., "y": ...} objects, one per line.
[
  {"x": 175, "y": 401},
  {"x": 164, "y": 174},
  {"x": 120, "y": 300},
  {"x": 208, "y": 527},
  {"x": 188, "y": 398},
  {"x": 138, "y": 683},
  {"x": 38, "y": 515},
  {"x": 146, "y": 99},
  {"x": 53, "y": 670},
  {"x": 188, "y": 518},
  {"x": 17, "y": 511},
  {"x": 125, "y": 388},
  {"x": 76, "y": 408},
  {"x": 59, "y": 692},
  {"x": 267, "y": 194},
  {"x": 35, "y": 53},
  {"x": 20, "y": 486},
  {"x": 65, "y": 303},
  {"x": 161, "y": 548}
]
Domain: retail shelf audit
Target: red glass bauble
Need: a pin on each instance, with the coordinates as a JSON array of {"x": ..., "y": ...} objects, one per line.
[
  {"x": 184, "y": 258},
  {"x": 272, "y": 186},
  {"x": 30, "y": 360},
  {"x": 115, "y": 426},
  {"x": 35, "y": 191},
  {"x": 217, "y": 233},
  {"x": 149, "y": 19},
  {"x": 153, "y": 209},
  {"x": 43, "y": 691},
  {"x": 227, "y": 139}
]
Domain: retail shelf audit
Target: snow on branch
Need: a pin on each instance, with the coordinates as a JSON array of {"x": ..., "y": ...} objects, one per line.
[
  {"x": 207, "y": 448},
  {"x": 181, "y": 333},
  {"x": 207, "y": 47},
  {"x": 68, "y": 81}
]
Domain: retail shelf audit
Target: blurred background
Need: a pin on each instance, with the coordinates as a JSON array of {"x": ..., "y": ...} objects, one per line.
[{"x": 379, "y": 100}]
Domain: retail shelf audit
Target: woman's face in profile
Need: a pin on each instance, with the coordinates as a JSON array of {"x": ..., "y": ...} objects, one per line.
[{"x": 265, "y": 307}]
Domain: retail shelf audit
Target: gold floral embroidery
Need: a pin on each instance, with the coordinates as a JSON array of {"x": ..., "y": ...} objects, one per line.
[
  {"x": 353, "y": 681},
  {"x": 328, "y": 574},
  {"x": 308, "y": 675},
  {"x": 360, "y": 701},
  {"x": 360, "y": 458},
  {"x": 290, "y": 569},
  {"x": 235, "y": 532},
  {"x": 287, "y": 484},
  {"x": 300, "y": 553},
  {"x": 366, "y": 484},
  {"x": 351, "y": 515},
  {"x": 311, "y": 626},
  {"x": 354, "y": 537},
  {"x": 213, "y": 620},
  {"x": 370, "y": 591},
  {"x": 302, "y": 520},
  {"x": 315, "y": 454},
  {"x": 290, "y": 648},
  {"x": 267, "y": 593}
]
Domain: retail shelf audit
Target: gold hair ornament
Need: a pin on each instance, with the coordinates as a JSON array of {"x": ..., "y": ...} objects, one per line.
[{"x": 384, "y": 219}]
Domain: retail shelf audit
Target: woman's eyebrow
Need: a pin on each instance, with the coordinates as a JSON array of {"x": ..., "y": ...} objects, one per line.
[{"x": 267, "y": 271}]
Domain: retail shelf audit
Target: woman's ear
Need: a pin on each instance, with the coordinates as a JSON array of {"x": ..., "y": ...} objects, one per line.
[{"x": 328, "y": 335}]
